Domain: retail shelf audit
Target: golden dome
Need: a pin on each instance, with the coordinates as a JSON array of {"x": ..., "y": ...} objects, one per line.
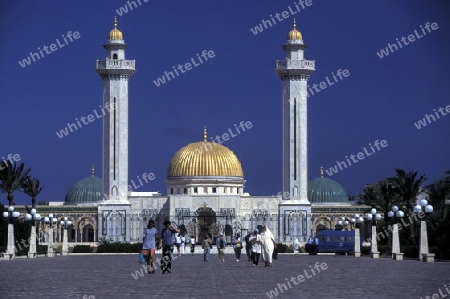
[
  {"x": 205, "y": 159},
  {"x": 115, "y": 34},
  {"x": 294, "y": 34}
]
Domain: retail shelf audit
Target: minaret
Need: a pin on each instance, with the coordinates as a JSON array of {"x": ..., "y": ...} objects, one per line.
[
  {"x": 294, "y": 73},
  {"x": 115, "y": 72}
]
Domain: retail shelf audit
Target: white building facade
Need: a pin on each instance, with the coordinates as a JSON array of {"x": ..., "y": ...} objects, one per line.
[{"x": 205, "y": 180}]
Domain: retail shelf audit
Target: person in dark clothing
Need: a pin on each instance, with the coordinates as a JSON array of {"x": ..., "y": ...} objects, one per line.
[
  {"x": 166, "y": 242},
  {"x": 314, "y": 249},
  {"x": 248, "y": 246},
  {"x": 221, "y": 245},
  {"x": 237, "y": 246}
]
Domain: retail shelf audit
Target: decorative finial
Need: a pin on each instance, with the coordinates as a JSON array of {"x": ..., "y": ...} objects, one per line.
[
  {"x": 92, "y": 170},
  {"x": 115, "y": 21},
  {"x": 321, "y": 171},
  {"x": 295, "y": 24},
  {"x": 205, "y": 134}
]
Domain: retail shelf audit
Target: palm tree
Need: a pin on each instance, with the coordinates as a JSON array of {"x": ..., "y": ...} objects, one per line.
[
  {"x": 447, "y": 178},
  {"x": 439, "y": 193},
  {"x": 12, "y": 178},
  {"x": 381, "y": 196},
  {"x": 407, "y": 185},
  {"x": 32, "y": 188}
]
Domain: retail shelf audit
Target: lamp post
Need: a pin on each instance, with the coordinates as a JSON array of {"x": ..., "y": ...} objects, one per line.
[
  {"x": 357, "y": 221},
  {"x": 424, "y": 254},
  {"x": 343, "y": 223},
  {"x": 373, "y": 217},
  {"x": 394, "y": 214},
  {"x": 65, "y": 247},
  {"x": 11, "y": 215},
  {"x": 50, "y": 221},
  {"x": 33, "y": 216}
]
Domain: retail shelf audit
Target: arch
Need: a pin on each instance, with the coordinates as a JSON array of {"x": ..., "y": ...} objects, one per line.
[
  {"x": 321, "y": 223},
  {"x": 88, "y": 233},
  {"x": 206, "y": 217},
  {"x": 114, "y": 56},
  {"x": 86, "y": 229}
]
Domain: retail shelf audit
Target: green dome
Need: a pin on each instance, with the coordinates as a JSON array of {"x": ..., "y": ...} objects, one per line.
[
  {"x": 88, "y": 190},
  {"x": 324, "y": 190}
]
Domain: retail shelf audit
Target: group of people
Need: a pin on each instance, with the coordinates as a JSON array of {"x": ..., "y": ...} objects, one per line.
[
  {"x": 180, "y": 244},
  {"x": 255, "y": 245},
  {"x": 165, "y": 242},
  {"x": 207, "y": 245}
]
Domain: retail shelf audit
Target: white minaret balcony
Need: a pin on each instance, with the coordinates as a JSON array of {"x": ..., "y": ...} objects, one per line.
[
  {"x": 295, "y": 64},
  {"x": 116, "y": 64}
]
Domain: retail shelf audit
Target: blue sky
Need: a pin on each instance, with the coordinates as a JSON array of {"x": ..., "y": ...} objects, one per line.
[{"x": 381, "y": 99}]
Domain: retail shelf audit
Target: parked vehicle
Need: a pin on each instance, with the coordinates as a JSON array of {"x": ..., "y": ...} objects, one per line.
[{"x": 337, "y": 241}]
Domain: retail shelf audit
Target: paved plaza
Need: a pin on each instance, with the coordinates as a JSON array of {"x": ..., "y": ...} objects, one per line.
[{"x": 318, "y": 277}]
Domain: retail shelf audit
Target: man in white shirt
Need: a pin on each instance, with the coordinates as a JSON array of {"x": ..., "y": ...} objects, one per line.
[{"x": 255, "y": 240}]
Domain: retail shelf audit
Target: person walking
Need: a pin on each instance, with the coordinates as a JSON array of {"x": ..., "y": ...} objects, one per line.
[
  {"x": 237, "y": 246},
  {"x": 221, "y": 245},
  {"x": 149, "y": 246},
  {"x": 192, "y": 245},
  {"x": 183, "y": 245},
  {"x": 255, "y": 240},
  {"x": 268, "y": 245},
  {"x": 178, "y": 243},
  {"x": 166, "y": 242},
  {"x": 248, "y": 246},
  {"x": 206, "y": 245},
  {"x": 314, "y": 250},
  {"x": 308, "y": 245},
  {"x": 296, "y": 247}
]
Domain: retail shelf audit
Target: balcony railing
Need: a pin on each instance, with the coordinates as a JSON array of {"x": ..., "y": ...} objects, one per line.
[
  {"x": 116, "y": 64},
  {"x": 295, "y": 64}
]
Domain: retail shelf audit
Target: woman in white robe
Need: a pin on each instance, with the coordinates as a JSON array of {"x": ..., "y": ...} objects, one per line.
[{"x": 267, "y": 246}]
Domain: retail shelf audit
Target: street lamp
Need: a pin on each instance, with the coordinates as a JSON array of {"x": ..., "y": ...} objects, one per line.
[
  {"x": 343, "y": 223},
  {"x": 394, "y": 214},
  {"x": 33, "y": 216},
  {"x": 424, "y": 254},
  {"x": 50, "y": 221},
  {"x": 352, "y": 223},
  {"x": 65, "y": 247},
  {"x": 11, "y": 215},
  {"x": 357, "y": 220},
  {"x": 374, "y": 217}
]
